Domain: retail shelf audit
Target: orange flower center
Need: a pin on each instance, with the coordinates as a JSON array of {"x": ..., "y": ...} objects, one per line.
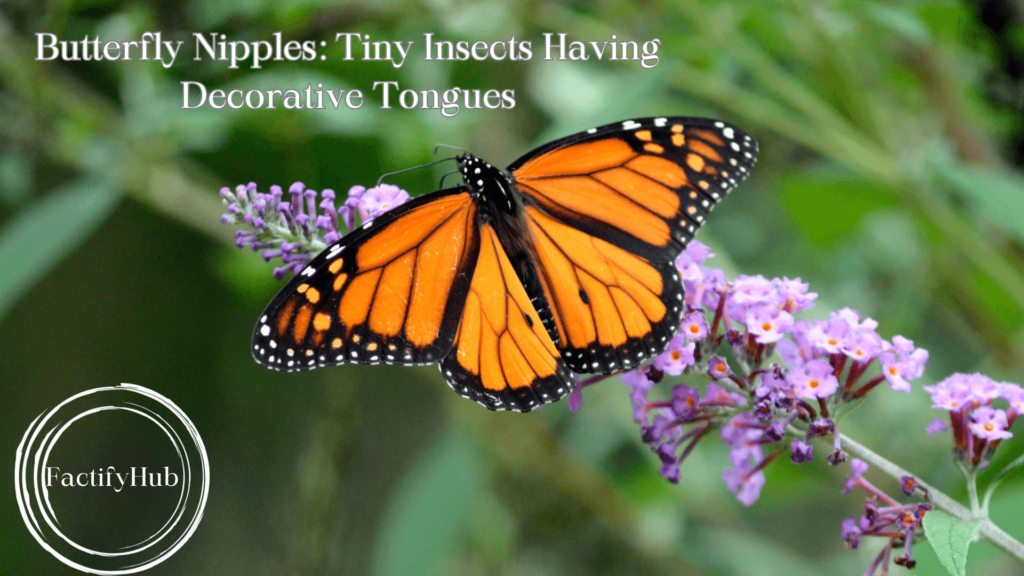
[
  {"x": 766, "y": 326},
  {"x": 990, "y": 427},
  {"x": 833, "y": 341},
  {"x": 675, "y": 355},
  {"x": 813, "y": 383},
  {"x": 720, "y": 368},
  {"x": 694, "y": 329},
  {"x": 893, "y": 371}
]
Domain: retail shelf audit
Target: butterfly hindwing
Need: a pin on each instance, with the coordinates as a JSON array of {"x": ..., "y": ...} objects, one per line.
[
  {"x": 645, "y": 185},
  {"x": 612, "y": 309},
  {"x": 502, "y": 356},
  {"x": 390, "y": 292}
]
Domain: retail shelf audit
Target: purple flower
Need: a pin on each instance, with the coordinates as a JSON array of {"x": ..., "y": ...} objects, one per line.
[
  {"x": 685, "y": 401},
  {"x": 828, "y": 335},
  {"x": 862, "y": 345},
  {"x": 575, "y": 399},
  {"x": 694, "y": 326},
  {"x": 852, "y": 318},
  {"x": 718, "y": 396},
  {"x": 677, "y": 357},
  {"x": 950, "y": 394},
  {"x": 639, "y": 385},
  {"x": 851, "y": 532},
  {"x": 964, "y": 390},
  {"x": 902, "y": 363},
  {"x": 745, "y": 482},
  {"x": 718, "y": 368},
  {"x": 1013, "y": 394},
  {"x": 801, "y": 452},
  {"x": 695, "y": 254},
  {"x": 989, "y": 424},
  {"x": 749, "y": 292},
  {"x": 813, "y": 380},
  {"x": 797, "y": 350},
  {"x": 908, "y": 484},
  {"x": 767, "y": 324},
  {"x": 380, "y": 199},
  {"x": 858, "y": 467},
  {"x": 670, "y": 471},
  {"x": 936, "y": 426},
  {"x": 793, "y": 295},
  {"x": 742, "y": 431}
]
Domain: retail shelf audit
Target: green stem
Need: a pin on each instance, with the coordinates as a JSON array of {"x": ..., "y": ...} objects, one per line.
[
  {"x": 989, "y": 531},
  {"x": 972, "y": 492}
]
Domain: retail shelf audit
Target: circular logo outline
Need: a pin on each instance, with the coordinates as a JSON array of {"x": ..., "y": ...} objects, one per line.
[{"x": 31, "y": 456}]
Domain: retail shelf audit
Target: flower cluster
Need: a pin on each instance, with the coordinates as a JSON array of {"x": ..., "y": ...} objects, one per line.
[
  {"x": 293, "y": 229},
  {"x": 978, "y": 427},
  {"x": 761, "y": 411},
  {"x": 884, "y": 517}
]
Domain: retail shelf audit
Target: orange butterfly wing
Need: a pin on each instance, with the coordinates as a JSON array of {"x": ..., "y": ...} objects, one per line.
[
  {"x": 608, "y": 211},
  {"x": 503, "y": 357},
  {"x": 390, "y": 292},
  {"x": 644, "y": 185}
]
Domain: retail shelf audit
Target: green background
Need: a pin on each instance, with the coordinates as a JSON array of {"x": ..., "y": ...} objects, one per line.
[{"x": 891, "y": 147}]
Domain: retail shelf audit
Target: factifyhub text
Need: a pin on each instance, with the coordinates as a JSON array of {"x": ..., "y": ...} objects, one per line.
[{"x": 109, "y": 477}]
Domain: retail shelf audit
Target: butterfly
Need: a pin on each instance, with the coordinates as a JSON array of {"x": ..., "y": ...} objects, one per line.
[{"x": 518, "y": 279}]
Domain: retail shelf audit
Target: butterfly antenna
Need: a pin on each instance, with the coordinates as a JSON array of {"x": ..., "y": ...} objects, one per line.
[
  {"x": 450, "y": 147},
  {"x": 445, "y": 176},
  {"x": 411, "y": 169}
]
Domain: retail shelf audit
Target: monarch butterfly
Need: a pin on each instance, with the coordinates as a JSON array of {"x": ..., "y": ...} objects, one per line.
[{"x": 516, "y": 279}]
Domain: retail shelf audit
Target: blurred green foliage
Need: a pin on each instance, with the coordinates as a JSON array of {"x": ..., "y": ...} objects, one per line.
[{"x": 892, "y": 140}]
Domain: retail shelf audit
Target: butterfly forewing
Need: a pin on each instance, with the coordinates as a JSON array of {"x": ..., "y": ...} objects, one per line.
[
  {"x": 390, "y": 292},
  {"x": 644, "y": 185}
]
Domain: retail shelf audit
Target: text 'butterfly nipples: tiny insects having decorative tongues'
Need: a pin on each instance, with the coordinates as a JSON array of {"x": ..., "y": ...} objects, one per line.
[{"x": 518, "y": 278}]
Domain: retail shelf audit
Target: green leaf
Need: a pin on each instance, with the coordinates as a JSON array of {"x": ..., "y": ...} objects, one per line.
[
  {"x": 431, "y": 511},
  {"x": 1017, "y": 463},
  {"x": 900, "y": 20},
  {"x": 950, "y": 538},
  {"x": 829, "y": 203},
  {"x": 45, "y": 232},
  {"x": 997, "y": 193}
]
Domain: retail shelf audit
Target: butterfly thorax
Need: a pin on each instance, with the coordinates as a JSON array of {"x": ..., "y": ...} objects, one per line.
[{"x": 491, "y": 187}]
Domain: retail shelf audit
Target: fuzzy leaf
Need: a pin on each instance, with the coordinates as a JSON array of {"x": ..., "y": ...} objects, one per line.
[
  {"x": 998, "y": 194},
  {"x": 44, "y": 233},
  {"x": 950, "y": 538}
]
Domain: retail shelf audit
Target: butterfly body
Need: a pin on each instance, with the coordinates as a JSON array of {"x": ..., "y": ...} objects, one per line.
[{"x": 519, "y": 278}]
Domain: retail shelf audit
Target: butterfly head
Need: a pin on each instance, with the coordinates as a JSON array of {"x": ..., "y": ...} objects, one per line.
[{"x": 486, "y": 182}]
